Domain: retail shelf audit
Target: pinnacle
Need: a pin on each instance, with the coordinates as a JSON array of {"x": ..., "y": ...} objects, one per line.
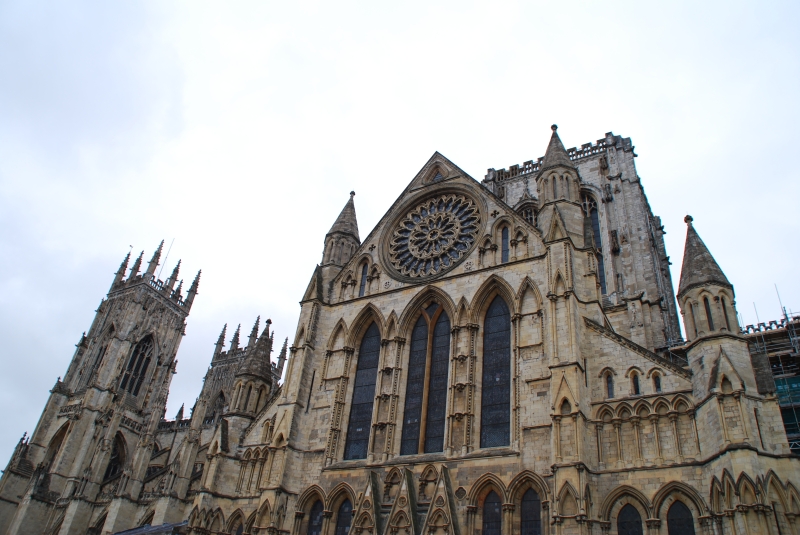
[
  {"x": 556, "y": 153},
  {"x": 346, "y": 223},
  {"x": 699, "y": 266}
]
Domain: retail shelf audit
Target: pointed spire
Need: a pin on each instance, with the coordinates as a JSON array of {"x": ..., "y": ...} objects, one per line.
[
  {"x": 346, "y": 222},
  {"x": 257, "y": 362},
  {"x": 699, "y": 267},
  {"x": 254, "y": 334},
  {"x": 123, "y": 267},
  {"x": 177, "y": 293},
  {"x": 193, "y": 290},
  {"x": 220, "y": 341},
  {"x": 556, "y": 153},
  {"x": 282, "y": 356},
  {"x": 179, "y": 416},
  {"x": 136, "y": 265},
  {"x": 151, "y": 267},
  {"x": 235, "y": 339},
  {"x": 174, "y": 277}
]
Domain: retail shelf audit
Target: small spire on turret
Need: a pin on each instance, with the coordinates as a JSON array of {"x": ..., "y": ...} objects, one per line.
[
  {"x": 136, "y": 265},
  {"x": 177, "y": 293},
  {"x": 174, "y": 277},
  {"x": 556, "y": 154},
  {"x": 123, "y": 267},
  {"x": 179, "y": 416},
  {"x": 254, "y": 333},
  {"x": 153, "y": 264},
  {"x": 220, "y": 341},
  {"x": 193, "y": 289},
  {"x": 235, "y": 339},
  {"x": 282, "y": 356},
  {"x": 699, "y": 266}
]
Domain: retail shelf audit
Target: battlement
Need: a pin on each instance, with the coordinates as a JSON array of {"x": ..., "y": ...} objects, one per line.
[{"x": 586, "y": 150}]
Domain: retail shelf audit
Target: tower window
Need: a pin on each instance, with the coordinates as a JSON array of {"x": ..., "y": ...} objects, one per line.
[
  {"x": 426, "y": 390},
  {"x": 137, "y": 366},
  {"x": 725, "y": 313},
  {"x": 504, "y": 245},
  {"x": 609, "y": 386},
  {"x": 590, "y": 210},
  {"x": 496, "y": 392},
  {"x": 657, "y": 383},
  {"x": 360, "y": 422},
  {"x": 707, "y": 305},
  {"x": 635, "y": 381},
  {"x": 363, "y": 285}
]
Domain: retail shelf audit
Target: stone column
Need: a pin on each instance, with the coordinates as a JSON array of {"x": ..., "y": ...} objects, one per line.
[
  {"x": 508, "y": 518},
  {"x": 654, "y": 422}
]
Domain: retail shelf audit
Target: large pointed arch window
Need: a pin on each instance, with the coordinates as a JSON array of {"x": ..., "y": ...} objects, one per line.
[
  {"x": 629, "y": 521},
  {"x": 496, "y": 389},
  {"x": 590, "y": 210},
  {"x": 137, "y": 366},
  {"x": 315, "y": 519},
  {"x": 426, "y": 389},
  {"x": 360, "y": 422},
  {"x": 343, "y": 518},
  {"x": 492, "y": 515},
  {"x": 679, "y": 520}
]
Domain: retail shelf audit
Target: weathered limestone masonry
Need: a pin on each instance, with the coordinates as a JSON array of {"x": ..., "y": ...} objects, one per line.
[{"x": 495, "y": 357}]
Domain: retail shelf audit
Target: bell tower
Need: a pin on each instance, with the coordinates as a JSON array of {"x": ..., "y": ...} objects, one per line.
[{"x": 95, "y": 436}]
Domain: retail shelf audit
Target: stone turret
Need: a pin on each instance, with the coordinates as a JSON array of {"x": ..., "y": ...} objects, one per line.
[
  {"x": 254, "y": 380},
  {"x": 705, "y": 295},
  {"x": 342, "y": 239}
]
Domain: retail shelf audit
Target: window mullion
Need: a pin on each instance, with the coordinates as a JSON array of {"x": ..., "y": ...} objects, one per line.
[{"x": 423, "y": 420}]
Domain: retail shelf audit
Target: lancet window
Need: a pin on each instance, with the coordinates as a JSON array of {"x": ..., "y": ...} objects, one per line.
[
  {"x": 117, "y": 459},
  {"x": 635, "y": 384},
  {"x": 496, "y": 390},
  {"x": 609, "y": 386},
  {"x": 137, "y": 366},
  {"x": 589, "y": 205},
  {"x": 710, "y": 319},
  {"x": 426, "y": 389},
  {"x": 657, "y": 383},
  {"x": 363, "y": 284},
  {"x": 629, "y": 521},
  {"x": 315, "y": 519},
  {"x": 504, "y": 245},
  {"x": 360, "y": 422},
  {"x": 679, "y": 520},
  {"x": 531, "y": 513},
  {"x": 492, "y": 515},
  {"x": 343, "y": 518},
  {"x": 725, "y": 313}
]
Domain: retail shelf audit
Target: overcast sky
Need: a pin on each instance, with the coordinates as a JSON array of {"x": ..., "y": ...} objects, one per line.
[{"x": 238, "y": 129}]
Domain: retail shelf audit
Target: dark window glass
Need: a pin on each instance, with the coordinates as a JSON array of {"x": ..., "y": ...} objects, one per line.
[
  {"x": 137, "y": 366},
  {"x": 343, "y": 518},
  {"x": 496, "y": 392},
  {"x": 590, "y": 211},
  {"x": 635, "y": 384},
  {"x": 708, "y": 314},
  {"x": 315, "y": 519},
  {"x": 725, "y": 313},
  {"x": 629, "y": 522},
  {"x": 240, "y": 529},
  {"x": 415, "y": 386},
  {"x": 360, "y": 422},
  {"x": 531, "y": 514},
  {"x": 491, "y": 515},
  {"x": 679, "y": 520},
  {"x": 609, "y": 386},
  {"x": 504, "y": 243},
  {"x": 657, "y": 382},
  {"x": 437, "y": 385},
  {"x": 363, "y": 285},
  {"x": 117, "y": 459}
]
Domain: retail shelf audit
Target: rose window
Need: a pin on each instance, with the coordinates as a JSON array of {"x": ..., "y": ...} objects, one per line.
[{"x": 434, "y": 236}]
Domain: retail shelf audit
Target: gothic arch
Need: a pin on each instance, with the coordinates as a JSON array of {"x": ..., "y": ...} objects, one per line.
[
  {"x": 484, "y": 485},
  {"x": 606, "y": 370},
  {"x": 250, "y": 522},
  {"x": 55, "y": 443},
  {"x": 651, "y": 371},
  {"x": 500, "y": 222},
  {"x": 568, "y": 498},
  {"x": 309, "y": 497},
  {"x": 338, "y": 494},
  {"x": 411, "y": 311},
  {"x": 746, "y": 489},
  {"x": 525, "y": 480},
  {"x": 491, "y": 287},
  {"x": 559, "y": 283},
  {"x": 528, "y": 284},
  {"x": 636, "y": 369},
  {"x": 689, "y": 496},
  {"x": 300, "y": 338},
  {"x": 771, "y": 480},
  {"x": 194, "y": 516},
  {"x": 148, "y": 516},
  {"x": 617, "y": 498},
  {"x": 679, "y": 400},
  {"x": 463, "y": 312},
  {"x": 604, "y": 411},
  {"x": 391, "y": 326},
  {"x": 359, "y": 326},
  {"x": 338, "y": 335},
  {"x": 235, "y": 519}
]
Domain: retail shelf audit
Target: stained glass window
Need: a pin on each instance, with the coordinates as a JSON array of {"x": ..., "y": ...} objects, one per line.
[
  {"x": 344, "y": 518},
  {"x": 315, "y": 519},
  {"x": 492, "y": 515},
  {"x": 679, "y": 520},
  {"x": 504, "y": 242},
  {"x": 360, "y": 422},
  {"x": 137, "y": 366},
  {"x": 427, "y": 379},
  {"x": 437, "y": 385},
  {"x": 531, "y": 514},
  {"x": 496, "y": 391},
  {"x": 363, "y": 285},
  {"x": 415, "y": 387},
  {"x": 629, "y": 522}
]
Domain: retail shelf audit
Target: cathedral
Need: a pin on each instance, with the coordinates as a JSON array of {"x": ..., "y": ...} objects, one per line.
[{"x": 495, "y": 357}]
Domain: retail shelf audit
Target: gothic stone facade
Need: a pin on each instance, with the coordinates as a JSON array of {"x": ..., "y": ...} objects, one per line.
[{"x": 494, "y": 357}]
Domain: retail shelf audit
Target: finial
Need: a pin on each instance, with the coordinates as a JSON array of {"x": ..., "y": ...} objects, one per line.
[
  {"x": 554, "y": 127},
  {"x": 269, "y": 321},
  {"x": 352, "y": 194},
  {"x": 688, "y": 220}
]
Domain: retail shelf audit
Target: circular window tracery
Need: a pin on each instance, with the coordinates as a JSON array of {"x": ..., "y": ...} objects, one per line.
[{"x": 434, "y": 236}]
